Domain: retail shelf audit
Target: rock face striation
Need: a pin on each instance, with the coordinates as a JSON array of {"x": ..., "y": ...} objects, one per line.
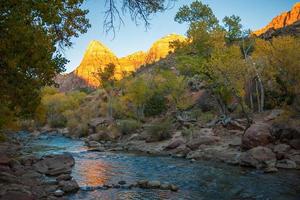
[
  {"x": 98, "y": 56},
  {"x": 286, "y": 19}
]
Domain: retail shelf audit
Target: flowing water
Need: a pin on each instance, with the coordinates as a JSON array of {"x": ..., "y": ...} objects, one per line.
[{"x": 198, "y": 180}]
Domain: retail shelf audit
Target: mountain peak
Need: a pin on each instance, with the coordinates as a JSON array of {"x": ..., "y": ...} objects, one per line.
[
  {"x": 282, "y": 20},
  {"x": 98, "y": 56},
  {"x": 161, "y": 48}
]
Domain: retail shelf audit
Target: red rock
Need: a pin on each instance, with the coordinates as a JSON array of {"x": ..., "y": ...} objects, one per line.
[
  {"x": 257, "y": 135},
  {"x": 282, "y": 20}
]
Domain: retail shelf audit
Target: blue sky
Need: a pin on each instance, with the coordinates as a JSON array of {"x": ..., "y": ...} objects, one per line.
[{"x": 130, "y": 38}]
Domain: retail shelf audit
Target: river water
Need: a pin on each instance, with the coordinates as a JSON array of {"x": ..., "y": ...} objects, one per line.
[{"x": 197, "y": 180}]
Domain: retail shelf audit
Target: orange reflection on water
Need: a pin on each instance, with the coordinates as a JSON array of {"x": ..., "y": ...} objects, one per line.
[{"x": 93, "y": 172}]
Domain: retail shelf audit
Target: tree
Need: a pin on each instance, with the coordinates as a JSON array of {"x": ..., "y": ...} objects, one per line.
[
  {"x": 107, "y": 81},
  {"x": 278, "y": 62},
  {"x": 139, "y": 10},
  {"x": 233, "y": 28},
  {"x": 31, "y": 32},
  {"x": 212, "y": 55},
  {"x": 197, "y": 13}
]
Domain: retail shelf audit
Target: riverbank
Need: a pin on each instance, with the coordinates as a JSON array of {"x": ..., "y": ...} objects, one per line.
[
  {"x": 268, "y": 144},
  {"x": 100, "y": 174}
]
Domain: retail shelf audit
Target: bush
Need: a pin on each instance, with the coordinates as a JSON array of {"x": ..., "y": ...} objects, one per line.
[
  {"x": 159, "y": 131},
  {"x": 155, "y": 105},
  {"x": 128, "y": 126},
  {"x": 204, "y": 117},
  {"x": 57, "y": 120}
]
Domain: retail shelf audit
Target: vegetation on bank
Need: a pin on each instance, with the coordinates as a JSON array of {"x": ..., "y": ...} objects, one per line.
[{"x": 221, "y": 71}]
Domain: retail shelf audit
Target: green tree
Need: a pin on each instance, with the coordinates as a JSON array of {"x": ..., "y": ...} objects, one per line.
[
  {"x": 233, "y": 28},
  {"x": 107, "y": 80},
  {"x": 197, "y": 13},
  {"x": 31, "y": 32}
]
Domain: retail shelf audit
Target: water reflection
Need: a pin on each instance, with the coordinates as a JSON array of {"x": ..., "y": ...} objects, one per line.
[{"x": 92, "y": 172}]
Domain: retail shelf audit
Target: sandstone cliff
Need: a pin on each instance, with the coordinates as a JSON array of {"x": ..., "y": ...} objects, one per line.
[
  {"x": 99, "y": 56},
  {"x": 282, "y": 20}
]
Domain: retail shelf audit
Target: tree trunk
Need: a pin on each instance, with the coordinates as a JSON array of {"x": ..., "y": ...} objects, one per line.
[{"x": 257, "y": 96}]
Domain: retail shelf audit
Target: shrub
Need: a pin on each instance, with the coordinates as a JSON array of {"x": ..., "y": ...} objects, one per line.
[
  {"x": 155, "y": 105},
  {"x": 128, "y": 126},
  {"x": 205, "y": 117},
  {"x": 159, "y": 131},
  {"x": 57, "y": 120}
]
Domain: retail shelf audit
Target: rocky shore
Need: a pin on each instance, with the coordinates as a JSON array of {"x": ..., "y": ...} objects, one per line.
[
  {"x": 267, "y": 144},
  {"x": 30, "y": 177}
]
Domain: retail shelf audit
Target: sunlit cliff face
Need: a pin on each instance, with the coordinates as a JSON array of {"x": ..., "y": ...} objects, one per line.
[
  {"x": 98, "y": 56},
  {"x": 285, "y": 19}
]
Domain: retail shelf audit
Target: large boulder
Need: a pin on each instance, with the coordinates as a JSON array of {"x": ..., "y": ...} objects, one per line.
[
  {"x": 54, "y": 165},
  {"x": 204, "y": 136},
  {"x": 281, "y": 150},
  {"x": 286, "y": 131},
  {"x": 259, "y": 157},
  {"x": 257, "y": 135}
]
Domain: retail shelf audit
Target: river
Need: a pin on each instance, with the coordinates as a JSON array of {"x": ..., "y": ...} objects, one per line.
[{"x": 196, "y": 180}]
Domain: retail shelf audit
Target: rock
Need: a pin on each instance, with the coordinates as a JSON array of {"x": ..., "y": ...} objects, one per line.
[
  {"x": 29, "y": 160},
  {"x": 204, "y": 136},
  {"x": 58, "y": 193},
  {"x": 286, "y": 164},
  {"x": 270, "y": 170},
  {"x": 259, "y": 157},
  {"x": 235, "y": 142},
  {"x": 295, "y": 156},
  {"x": 134, "y": 136},
  {"x": 93, "y": 144},
  {"x": 63, "y": 177},
  {"x": 4, "y": 159},
  {"x": 154, "y": 184},
  {"x": 96, "y": 122},
  {"x": 6, "y": 177},
  {"x": 206, "y": 140},
  {"x": 285, "y": 131},
  {"x": 295, "y": 143},
  {"x": 174, "y": 144},
  {"x": 281, "y": 150},
  {"x": 54, "y": 165},
  {"x": 35, "y": 133},
  {"x": 122, "y": 182},
  {"x": 69, "y": 186},
  {"x": 63, "y": 131},
  {"x": 17, "y": 195},
  {"x": 95, "y": 137},
  {"x": 142, "y": 184},
  {"x": 165, "y": 186},
  {"x": 256, "y": 135},
  {"x": 273, "y": 115},
  {"x": 174, "y": 188}
]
